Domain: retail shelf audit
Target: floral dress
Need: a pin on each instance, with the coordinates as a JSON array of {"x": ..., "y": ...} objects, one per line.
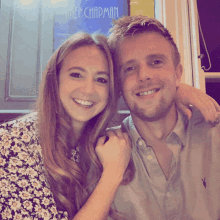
[{"x": 24, "y": 193}]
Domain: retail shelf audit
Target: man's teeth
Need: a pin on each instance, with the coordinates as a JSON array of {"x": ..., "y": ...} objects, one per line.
[
  {"x": 147, "y": 93},
  {"x": 82, "y": 102}
]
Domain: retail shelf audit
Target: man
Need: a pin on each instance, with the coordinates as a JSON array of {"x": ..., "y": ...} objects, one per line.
[{"x": 176, "y": 160}]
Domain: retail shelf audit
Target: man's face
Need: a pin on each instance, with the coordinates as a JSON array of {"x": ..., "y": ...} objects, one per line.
[{"x": 148, "y": 76}]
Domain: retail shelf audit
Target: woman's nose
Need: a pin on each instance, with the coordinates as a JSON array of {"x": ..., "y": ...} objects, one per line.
[{"x": 89, "y": 86}]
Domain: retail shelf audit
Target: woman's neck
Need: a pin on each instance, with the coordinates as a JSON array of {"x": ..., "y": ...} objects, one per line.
[{"x": 78, "y": 128}]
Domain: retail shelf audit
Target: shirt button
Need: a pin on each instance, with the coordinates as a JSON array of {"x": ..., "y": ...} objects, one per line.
[
  {"x": 140, "y": 142},
  {"x": 168, "y": 195},
  {"x": 149, "y": 157}
]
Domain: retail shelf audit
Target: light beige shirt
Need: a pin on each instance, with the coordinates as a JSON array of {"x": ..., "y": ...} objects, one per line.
[{"x": 192, "y": 190}]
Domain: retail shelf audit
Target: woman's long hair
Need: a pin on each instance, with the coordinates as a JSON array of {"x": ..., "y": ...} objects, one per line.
[{"x": 67, "y": 178}]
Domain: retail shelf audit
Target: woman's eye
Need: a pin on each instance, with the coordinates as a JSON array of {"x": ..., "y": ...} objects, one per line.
[
  {"x": 75, "y": 75},
  {"x": 102, "y": 80},
  {"x": 130, "y": 68}
]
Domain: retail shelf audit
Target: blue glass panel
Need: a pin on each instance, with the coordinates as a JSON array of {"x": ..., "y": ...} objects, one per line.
[{"x": 88, "y": 16}]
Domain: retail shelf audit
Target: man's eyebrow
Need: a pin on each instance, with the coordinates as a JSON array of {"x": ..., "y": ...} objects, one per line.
[
  {"x": 126, "y": 63},
  {"x": 156, "y": 55}
]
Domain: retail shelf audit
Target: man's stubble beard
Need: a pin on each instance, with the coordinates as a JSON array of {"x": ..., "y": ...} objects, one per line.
[{"x": 159, "y": 112}]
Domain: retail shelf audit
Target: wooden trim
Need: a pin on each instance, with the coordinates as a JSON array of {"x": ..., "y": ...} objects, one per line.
[
  {"x": 212, "y": 75},
  {"x": 15, "y": 111},
  {"x": 199, "y": 74},
  {"x": 39, "y": 49},
  {"x": 8, "y": 63},
  {"x": 129, "y": 7},
  {"x": 20, "y": 98},
  {"x": 160, "y": 11}
]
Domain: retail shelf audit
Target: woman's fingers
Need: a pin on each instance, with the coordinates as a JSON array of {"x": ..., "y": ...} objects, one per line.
[
  {"x": 116, "y": 132},
  {"x": 185, "y": 109},
  {"x": 217, "y": 107},
  {"x": 101, "y": 141},
  {"x": 209, "y": 110},
  {"x": 127, "y": 138},
  {"x": 187, "y": 95}
]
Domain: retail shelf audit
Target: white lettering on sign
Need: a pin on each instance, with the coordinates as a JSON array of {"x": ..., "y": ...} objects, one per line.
[{"x": 96, "y": 12}]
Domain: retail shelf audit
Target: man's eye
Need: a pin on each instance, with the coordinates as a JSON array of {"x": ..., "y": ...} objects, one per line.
[
  {"x": 157, "y": 62},
  {"x": 102, "y": 80},
  {"x": 75, "y": 75}
]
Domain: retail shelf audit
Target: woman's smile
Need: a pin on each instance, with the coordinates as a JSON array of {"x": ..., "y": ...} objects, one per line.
[{"x": 84, "y": 103}]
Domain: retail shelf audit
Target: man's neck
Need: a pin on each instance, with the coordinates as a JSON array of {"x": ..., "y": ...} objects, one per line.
[{"x": 155, "y": 132}]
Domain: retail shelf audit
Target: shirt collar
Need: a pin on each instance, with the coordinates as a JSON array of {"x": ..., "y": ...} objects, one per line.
[{"x": 179, "y": 130}]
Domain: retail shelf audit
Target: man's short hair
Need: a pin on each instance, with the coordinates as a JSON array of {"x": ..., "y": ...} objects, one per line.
[{"x": 133, "y": 25}]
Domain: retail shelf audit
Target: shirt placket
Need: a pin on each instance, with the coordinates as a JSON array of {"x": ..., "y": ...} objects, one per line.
[
  {"x": 156, "y": 177},
  {"x": 173, "y": 195}
]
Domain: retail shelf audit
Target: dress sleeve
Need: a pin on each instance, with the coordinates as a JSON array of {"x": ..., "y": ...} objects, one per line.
[{"x": 24, "y": 193}]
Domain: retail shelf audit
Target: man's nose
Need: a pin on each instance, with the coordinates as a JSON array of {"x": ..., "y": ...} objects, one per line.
[{"x": 144, "y": 73}]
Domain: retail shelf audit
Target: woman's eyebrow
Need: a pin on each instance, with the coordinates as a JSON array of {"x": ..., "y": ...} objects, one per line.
[{"x": 76, "y": 68}]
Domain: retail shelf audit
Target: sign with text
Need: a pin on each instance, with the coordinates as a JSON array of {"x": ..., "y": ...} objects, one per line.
[{"x": 87, "y": 15}]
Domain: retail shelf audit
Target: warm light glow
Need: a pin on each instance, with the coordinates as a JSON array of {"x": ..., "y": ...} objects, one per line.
[
  {"x": 56, "y": 1},
  {"x": 26, "y": 2}
]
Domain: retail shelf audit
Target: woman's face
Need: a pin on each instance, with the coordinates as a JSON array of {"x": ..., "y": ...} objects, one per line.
[{"x": 84, "y": 84}]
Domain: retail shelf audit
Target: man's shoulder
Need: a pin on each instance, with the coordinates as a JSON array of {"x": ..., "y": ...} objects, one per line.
[{"x": 197, "y": 121}]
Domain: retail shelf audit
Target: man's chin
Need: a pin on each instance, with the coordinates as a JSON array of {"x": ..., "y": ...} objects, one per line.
[{"x": 150, "y": 115}]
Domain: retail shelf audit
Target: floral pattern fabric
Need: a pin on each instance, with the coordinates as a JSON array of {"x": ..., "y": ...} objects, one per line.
[{"x": 24, "y": 192}]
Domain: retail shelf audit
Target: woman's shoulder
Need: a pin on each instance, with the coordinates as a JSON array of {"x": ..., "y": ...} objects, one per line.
[
  {"x": 24, "y": 121},
  {"x": 19, "y": 135},
  {"x": 24, "y": 190},
  {"x": 20, "y": 126}
]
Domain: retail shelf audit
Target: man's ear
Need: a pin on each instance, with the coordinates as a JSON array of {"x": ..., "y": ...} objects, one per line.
[{"x": 179, "y": 72}]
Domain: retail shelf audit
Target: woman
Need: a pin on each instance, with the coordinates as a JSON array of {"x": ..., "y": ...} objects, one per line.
[{"x": 45, "y": 156}]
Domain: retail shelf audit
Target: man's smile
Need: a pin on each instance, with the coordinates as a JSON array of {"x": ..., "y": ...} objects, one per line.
[{"x": 147, "y": 92}]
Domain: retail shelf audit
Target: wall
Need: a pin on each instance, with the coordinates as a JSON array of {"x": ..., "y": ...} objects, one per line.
[{"x": 142, "y": 7}]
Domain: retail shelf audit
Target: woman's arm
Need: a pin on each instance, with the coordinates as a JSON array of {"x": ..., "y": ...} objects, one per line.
[
  {"x": 188, "y": 95},
  {"x": 114, "y": 156}
]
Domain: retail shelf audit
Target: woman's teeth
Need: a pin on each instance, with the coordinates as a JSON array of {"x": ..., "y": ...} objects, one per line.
[
  {"x": 147, "y": 93},
  {"x": 84, "y": 103}
]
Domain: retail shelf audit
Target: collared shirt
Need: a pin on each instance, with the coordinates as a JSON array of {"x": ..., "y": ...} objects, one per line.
[
  {"x": 185, "y": 194},
  {"x": 165, "y": 196}
]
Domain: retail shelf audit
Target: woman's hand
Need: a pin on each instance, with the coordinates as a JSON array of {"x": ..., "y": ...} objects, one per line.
[
  {"x": 114, "y": 156},
  {"x": 188, "y": 95},
  {"x": 115, "y": 153}
]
